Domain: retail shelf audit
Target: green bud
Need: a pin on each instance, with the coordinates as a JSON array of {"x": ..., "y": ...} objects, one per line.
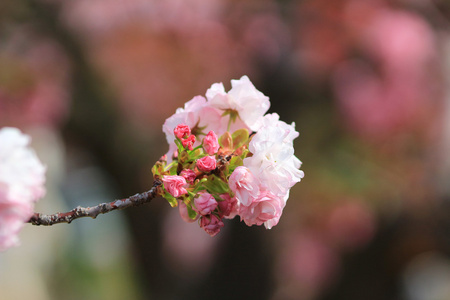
[
  {"x": 226, "y": 141},
  {"x": 240, "y": 137}
]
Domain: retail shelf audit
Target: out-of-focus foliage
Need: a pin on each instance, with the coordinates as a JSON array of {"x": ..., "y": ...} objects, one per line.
[{"x": 365, "y": 81}]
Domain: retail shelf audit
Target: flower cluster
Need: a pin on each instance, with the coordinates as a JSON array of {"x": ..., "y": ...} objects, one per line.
[
  {"x": 22, "y": 178},
  {"x": 244, "y": 164}
]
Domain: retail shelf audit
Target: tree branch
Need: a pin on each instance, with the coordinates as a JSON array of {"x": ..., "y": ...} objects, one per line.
[{"x": 102, "y": 208}]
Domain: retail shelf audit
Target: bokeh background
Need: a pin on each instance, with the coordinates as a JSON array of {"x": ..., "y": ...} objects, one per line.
[{"x": 366, "y": 82}]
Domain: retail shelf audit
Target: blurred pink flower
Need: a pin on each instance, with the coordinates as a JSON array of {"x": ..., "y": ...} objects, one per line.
[
  {"x": 307, "y": 263},
  {"x": 351, "y": 225},
  {"x": 400, "y": 95},
  {"x": 169, "y": 43},
  {"x": 184, "y": 212},
  {"x": 34, "y": 81},
  {"x": 22, "y": 178},
  {"x": 12, "y": 218}
]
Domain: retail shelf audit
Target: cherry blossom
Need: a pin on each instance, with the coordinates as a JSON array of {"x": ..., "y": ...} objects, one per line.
[
  {"x": 175, "y": 185},
  {"x": 22, "y": 178},
  {"x": 189, "y": 175},
  {"x": 206, "y": 164},
  {"x": 266, "y": 208},
  {"x": 243, "y": 99},
  {"x": 196, "y": 114},
  {"x": 229, "y": 207},
  {"x": 205, "y": 204},
  {"x": 273, "y": 161},
  {"x": 235, "y": 174},
  {"x": 244, "y": 184}
]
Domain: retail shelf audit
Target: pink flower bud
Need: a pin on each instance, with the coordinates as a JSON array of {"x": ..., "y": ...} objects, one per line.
[
  {"x": 189, "y": 142},
  {"x": 206, "y": 164},
  {"x": 181, "y": 131},
  {"x": 189, "y": 175},
  {"x": 175, "y": 185},
  {"x": 211, "y": 224},
  {"x": 184, "y": 212},
  {"x": 229, "y": 208},
  {"x": 211, "y": 143},
  {"x": 205, "y": 204}
]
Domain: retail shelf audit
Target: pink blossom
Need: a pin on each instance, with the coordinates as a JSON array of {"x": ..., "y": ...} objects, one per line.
[
  {"x": 229, "y": 208},
  {"x": 243, "y": 98},
  {"x": 196, "y": 114},
  {"x": 265, "y": 208},
  {"x": 211, "y": 224},
  {"x": 189, "y": 175},
  {"x": 399, "y": 95},
  {"x": 244, "y": 185},
  {"x": 175, "y": 185},
  {"x": 182, "y": 131},
  {"x": 189, "y": 142},
  {"x": 211, "y": 143},
  {"x": 273, "y": 161},
  {"x": 205, "y": 203},
  {"x": 351, "y": 225},
  {"x": 22, "y": 178},
  {"x": 206, "y": 164},
  {"x": 12, "y": 218},
  {"x": 184, "y": 212}
]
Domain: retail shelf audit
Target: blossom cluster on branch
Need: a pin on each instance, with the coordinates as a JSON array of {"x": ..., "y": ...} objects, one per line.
[
  {"x": 22, "y": 178},
  {"x": 227, "y": 157}
]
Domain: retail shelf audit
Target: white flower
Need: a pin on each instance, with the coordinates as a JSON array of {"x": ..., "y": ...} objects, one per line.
[
  {"x": 273, "y": 161},
  {"x": 243, "y": 99},
  {"x": 22, "y": 178}
]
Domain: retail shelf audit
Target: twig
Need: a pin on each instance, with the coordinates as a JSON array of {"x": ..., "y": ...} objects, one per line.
[{"x": 93, "y": 212}]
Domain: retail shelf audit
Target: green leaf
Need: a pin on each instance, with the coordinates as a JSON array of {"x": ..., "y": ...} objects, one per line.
[
  {"x": 196, "y": 154},
  {"x": 235, "y": 162},
  {"x": 218, "y": 198},
  {"x": 173, "y": 170},
  {"x": 179, "y": 145},
  {"x": 171, "y": 199},
  {"x": 191, "y": 212},
  {"x": 240, "y": 137},
  {"x": 215, "y": 185}
]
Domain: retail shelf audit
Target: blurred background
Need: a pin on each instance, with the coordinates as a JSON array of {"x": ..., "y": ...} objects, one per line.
[{"x": 366, "y": 82}]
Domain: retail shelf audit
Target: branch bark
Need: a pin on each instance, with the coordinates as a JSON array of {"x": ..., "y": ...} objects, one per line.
[{"x": 102, "y": 208}]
